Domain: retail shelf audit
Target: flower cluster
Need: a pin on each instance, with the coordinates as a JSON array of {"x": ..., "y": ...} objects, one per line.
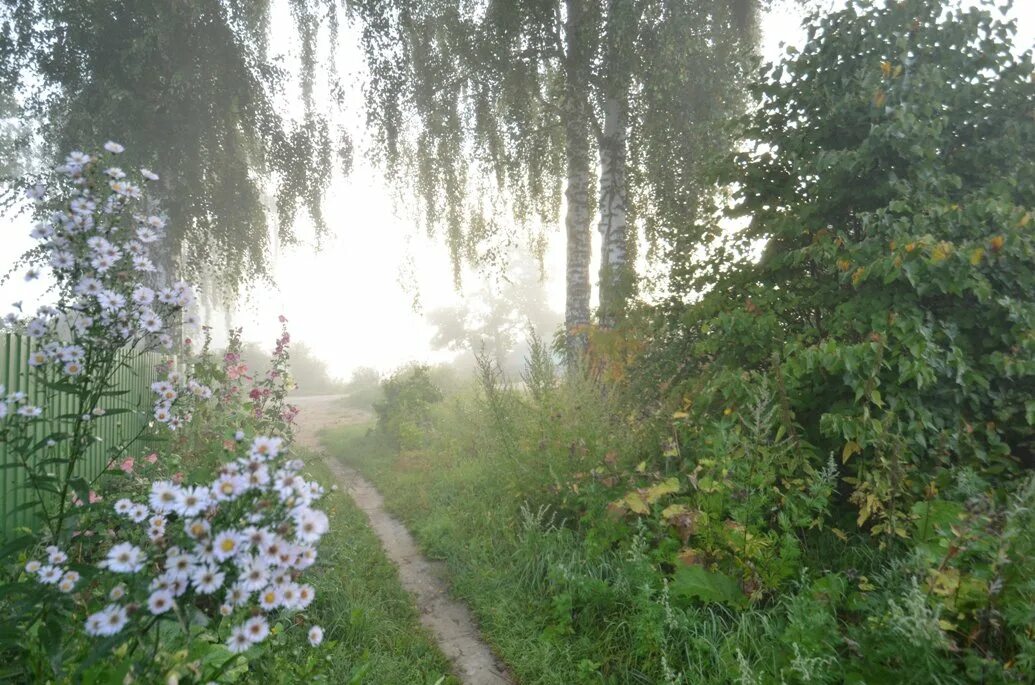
[
  {"x": 269, "y": 395},
  {"x": 51, "y": 571},
  {"x": 177, "y": 392},
  {"x": 16, "y": 405},
  {"x": 242, "y": 539},
  {"x": 98, "y": 240}
]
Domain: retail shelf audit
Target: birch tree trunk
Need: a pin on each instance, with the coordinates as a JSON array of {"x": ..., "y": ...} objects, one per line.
[
  {"x": 615, "y": 276},
  {"x": 578, "y": 220}
]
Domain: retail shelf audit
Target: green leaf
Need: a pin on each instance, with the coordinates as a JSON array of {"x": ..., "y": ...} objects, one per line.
[{"x": 708, "y": 586}]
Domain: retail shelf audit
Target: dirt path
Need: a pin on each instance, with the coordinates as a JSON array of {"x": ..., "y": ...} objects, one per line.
[{"x": 449, "y": 620}]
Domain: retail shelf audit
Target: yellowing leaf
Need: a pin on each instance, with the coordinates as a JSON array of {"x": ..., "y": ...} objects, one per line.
[
  {"x": 673, "y": 510},
  {"x": 636, "y": 504},
  {"x": 641, "y": 467},
  {"x": 941, "y": 251},
  {"x": 885, "y": 68},
  {"x": 976, "y": 254},
  {"x": 680, "y": 415},
  {"x": 656, "y": 492},
  {"x": 879, "y": 98},
  {"x": 840, "y": 534},
  {"x": 1024, "y": 220},
  {"x": 851, "y": 447}
]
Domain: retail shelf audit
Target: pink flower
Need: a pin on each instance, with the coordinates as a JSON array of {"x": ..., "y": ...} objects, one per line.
[
  {"x": 93, "y": 497},
  {"x": 151, "y": 458},
  {"x": 127, "y": 465},
  {"x": 177, "y": 477},
  {"x": 282, "y": 318}
]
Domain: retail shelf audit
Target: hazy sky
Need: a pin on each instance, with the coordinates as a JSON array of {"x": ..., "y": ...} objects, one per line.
[{"x": 352, "y": 301}]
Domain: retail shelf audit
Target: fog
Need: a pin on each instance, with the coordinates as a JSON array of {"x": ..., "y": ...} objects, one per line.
[{"x": 363, "y": 296}]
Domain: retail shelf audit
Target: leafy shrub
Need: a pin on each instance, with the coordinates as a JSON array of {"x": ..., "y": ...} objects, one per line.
[{"x": 405, "y": 412}]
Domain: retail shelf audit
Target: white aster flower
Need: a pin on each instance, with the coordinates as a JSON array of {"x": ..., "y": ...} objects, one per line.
[
  {"x": 160, "y": 602},
  {"x": 207, "y": 579},
  {"x": 197, "y": 529},
  {"x": 138, "y": 512},
  {"x": 114, "y": 148},
  {"x": 306, "y": 595},
  {"x": 50, "y": 574},
  {"x": 193, "y": 501},
  {"x": 143, "y": 295},
  {"x": 269, "y": 599},
  {"x": 164, "y": 496},
  {"x": 257, "y": 628},
  {"x": 124, "y": 558},
  {"x": 264, "y": 448},
  {"x": 238, "y": 641},
  {"x": 226, "y": 544},
  {"x": 113, "y": 619},
  {"x": 315, "y": 636}
]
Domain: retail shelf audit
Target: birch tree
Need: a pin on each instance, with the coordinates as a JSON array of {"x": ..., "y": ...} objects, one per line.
[{"x": 582, "y": 95}]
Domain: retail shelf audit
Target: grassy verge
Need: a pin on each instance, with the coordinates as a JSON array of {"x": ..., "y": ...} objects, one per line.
[
  {"x": 513, "y": 564},
  {"x": 363, "y": 608}
]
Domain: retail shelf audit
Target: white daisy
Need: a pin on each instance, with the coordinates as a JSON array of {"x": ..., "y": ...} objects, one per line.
[
  {"x": 315, "y": 636},
  {"x": 114, "y": 148}
]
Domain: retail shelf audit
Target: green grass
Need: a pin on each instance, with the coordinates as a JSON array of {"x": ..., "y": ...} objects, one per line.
[
  {"x": 466, "y": 509},
  {"x": 362, "y": 606}
]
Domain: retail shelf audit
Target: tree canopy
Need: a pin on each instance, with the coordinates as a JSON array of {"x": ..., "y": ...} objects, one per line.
[{"x": 195, "y": 84}]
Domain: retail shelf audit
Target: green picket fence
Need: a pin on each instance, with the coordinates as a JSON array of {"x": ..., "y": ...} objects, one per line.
[{"x": 134, "y": 378}]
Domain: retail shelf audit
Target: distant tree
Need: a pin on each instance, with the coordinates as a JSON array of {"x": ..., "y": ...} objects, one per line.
[
  {"x": 191, "y": 90},
  {"x": 310, "y": 373},
  {"x": 497, "y": 320}
]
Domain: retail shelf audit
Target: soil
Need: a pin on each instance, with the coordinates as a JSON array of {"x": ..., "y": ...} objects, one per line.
[{"x": 448, "y": 619}]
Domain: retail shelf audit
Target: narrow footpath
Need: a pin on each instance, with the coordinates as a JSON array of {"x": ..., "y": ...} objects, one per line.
[{"x": 448, "y": 619}]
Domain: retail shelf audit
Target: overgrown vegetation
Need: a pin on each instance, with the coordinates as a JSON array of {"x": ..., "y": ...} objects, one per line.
[{"x": 813, "y": 465}]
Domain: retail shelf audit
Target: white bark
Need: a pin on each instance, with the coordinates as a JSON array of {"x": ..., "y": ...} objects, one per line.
[
  {"x": 579, "y": 219},
  {"x": 614, "y": 225}
]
